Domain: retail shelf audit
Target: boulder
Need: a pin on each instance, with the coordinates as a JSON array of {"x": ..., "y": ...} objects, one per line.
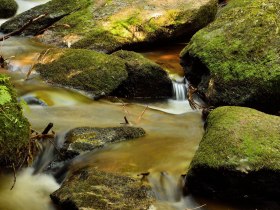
[
  {"x": 8, "y": 8},
  {"x": 96, "y": 73},
  {"x": 94, "y": 189},
  {"x": 55, "y": 10},
  {"x": 87, "y": 138},
  {"x": 238, "y": 157},
  {"x": 146, "y": 79},
  {"x": 235, "y": 60},
  {"x": 14, "y": 128},
  {"x": 110, "y": 25}
]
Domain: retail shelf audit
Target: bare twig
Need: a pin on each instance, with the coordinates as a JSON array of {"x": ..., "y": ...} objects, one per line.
[
  {"x": 199, "y": 207},
  {"x": 15, "y": 178},
  {"x": 141, "y": 115},
  {"x": 20, "y": 30},
  {"x": 40, "y": 57}
]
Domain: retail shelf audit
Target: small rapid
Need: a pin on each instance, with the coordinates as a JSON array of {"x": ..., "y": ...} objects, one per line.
[{"x": 179, "y": 90}]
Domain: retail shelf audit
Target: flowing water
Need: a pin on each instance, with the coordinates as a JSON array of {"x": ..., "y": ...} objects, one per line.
[{"x": 173, "y": 133}]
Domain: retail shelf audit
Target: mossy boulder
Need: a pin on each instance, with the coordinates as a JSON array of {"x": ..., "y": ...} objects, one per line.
[
  {"x": 110, "y": 25},
  {"x": 14, "y": 128},
  {"x": 94, "y": 189},
  {"x": 238, "y": 157},
  {"x": 96, "y": 73},
  {"x": 8, "y": 8},
  {"x": 87, "y": 138},
  {"x": 55, "y": 10},
  {"x": 235, "y": 60},
  {"x": 146, "y": 79}
]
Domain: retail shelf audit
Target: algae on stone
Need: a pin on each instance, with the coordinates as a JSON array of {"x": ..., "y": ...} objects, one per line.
[
  {"x": 235, "y": 60},
  {"x": 146, "y": 79},
  {"x": 14, "y": 127},
  {"x": 96, "y": 73},
  {"x": 89, "y": 138},
  {"x": 8, "y": 8},
  {"x": 94, "y": 189},
  {"x": 238, "y": 155},
  {"x": 110, "y": 25}
]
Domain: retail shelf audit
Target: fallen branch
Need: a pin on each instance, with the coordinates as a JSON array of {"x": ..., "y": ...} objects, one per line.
[
  {"x": 19, "y": 31},
  {"x": 141, "y": 115}
]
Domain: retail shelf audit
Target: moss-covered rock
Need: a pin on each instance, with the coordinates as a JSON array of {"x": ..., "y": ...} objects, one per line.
[
  {"x": 14, "y": 128},
  {"x": 87, "y": 138},
  {"x": 8, "y": 8},
  {"x": 146, "y": 79},
  {"x": 96, "y": 73},
  {"x": 238, "y": 157},
  {"x": 109, "y": 25},
  {"x": 94, "y": 189},
  {"x": 235, "y": 60},
  {"x": 55, "y": 10}
]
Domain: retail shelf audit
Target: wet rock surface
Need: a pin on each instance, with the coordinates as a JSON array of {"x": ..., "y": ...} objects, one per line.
[
  {"x": 14, "y": 128},
  {"x": 87, "y": 138},
  {"x": 110, "y": 25},
  {"x": 146, "y": 79},
  {"x": 8, "y": 8},
  {"x": 234, "y": 60},
  {"x": 94, "y": 189},
  {"x": 238, "y": 157},
  {"x": 96, "y": 73}
]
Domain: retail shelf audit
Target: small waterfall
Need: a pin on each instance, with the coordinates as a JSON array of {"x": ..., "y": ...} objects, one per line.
[
  {"x": 169, "y": 193},
  {"x": 179, "y": 90}
]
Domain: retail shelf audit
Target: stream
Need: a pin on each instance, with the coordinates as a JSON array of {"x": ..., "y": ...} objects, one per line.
[{"x": 173, "y": 131}]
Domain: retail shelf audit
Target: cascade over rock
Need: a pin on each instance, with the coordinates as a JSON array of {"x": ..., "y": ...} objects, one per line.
[
  {"x": 235, "y": 59},
  {"x": 110, "y": 25}
]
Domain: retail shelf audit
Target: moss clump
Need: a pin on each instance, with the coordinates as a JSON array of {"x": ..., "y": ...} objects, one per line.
[
  {"x": 96, "y": 73},
  {"x": 14, "y": 128},
  {"x": 87, "y": 138},
  {"x": 146, "y": 79},
  {"x": 94, "y": 189},
  {"x": 8, "y": 8},
  {"x": 239, "y": 53},
  {"x": 239, "y": 153},
  {"x": 110, "y": 25},
  {"x": 55, "y": 10}
]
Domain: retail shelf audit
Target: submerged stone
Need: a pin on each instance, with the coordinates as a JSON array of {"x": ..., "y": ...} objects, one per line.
[
  {"x": 146, "y": 79},
  {"x": 8, "y": 8},
  {"x": 87, "y": 138},
  {"x": 14, "y": 128},
  {"x": 110, "y": 25},
  {"x": 238, "y": 157},
  {"x": 86, "y": 70},
  {"x": 235, "y": 60}
]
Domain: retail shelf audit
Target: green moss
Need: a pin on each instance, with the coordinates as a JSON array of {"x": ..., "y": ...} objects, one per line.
[
  {"x": 5, "y": 96},
  {"x": 241, "y": 47},
  {"x": 14, "y": 128},
  {"x": 87, "y": 70},
  {"x": 8, "y": 8},
  {"x": 237, "y": 138},
  {"x": 91, "y": 188}
]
